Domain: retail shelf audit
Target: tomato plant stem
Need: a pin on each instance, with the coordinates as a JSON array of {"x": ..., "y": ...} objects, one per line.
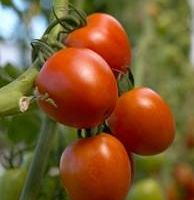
[
  {"x": 32, "y": 185},
  {"x": 11, "y": 93},
  {"x": 61, "y": 10},
  {"x": 40, "y": 160}
]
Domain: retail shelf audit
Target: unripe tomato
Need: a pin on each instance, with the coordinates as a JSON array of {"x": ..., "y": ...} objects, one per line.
[
  {"x": 150, "y": 164},
  {"x": 104, "y": 35},
  {"x": 77, "y": 80},
  {"x": 143, "y": 122},
  {"x": 148, "y": 189},
  {"x": 96, "y": 168},
  {"x": 27, "y": 159},
  {"x": 11, "y": 183}
]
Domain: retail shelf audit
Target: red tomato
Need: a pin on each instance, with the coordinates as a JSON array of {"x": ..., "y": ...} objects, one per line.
[
  {"x": 104, "y": 35},
  {"x": 143, "y": 122},
  {"x": 77, "y": 80},
  {"x": 96, "y": 168},
  {"x": 183, "y": 174},
  {"x": 190, "y": 140},
  {"x": 173, "y": 192},
  {"x": 190, "y": 189}
]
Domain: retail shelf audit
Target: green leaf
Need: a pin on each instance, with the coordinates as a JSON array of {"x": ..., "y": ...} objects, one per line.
[
  {"x": 12, "y": 70},
  {"x": 8, "y": 73},
  {"x": 23, "y": 127}
]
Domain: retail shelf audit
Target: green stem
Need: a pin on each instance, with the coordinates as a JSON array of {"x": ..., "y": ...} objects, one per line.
[
  {"x": 32, "y": 185},
  {"x": 61, "y": 10},
  {"x": 11, "y": 94},
  {"x": 80, "y": 4},
  {"x": 56, "y": 23},
  {"x": 40, "y": 160}
]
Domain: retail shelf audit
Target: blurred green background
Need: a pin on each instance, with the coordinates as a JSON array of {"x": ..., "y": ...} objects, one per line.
[{"x": 160, "y": 32}]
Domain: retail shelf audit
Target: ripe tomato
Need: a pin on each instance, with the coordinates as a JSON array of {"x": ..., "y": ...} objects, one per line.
[
  {"x": 104, "y": 35},
  {"x": 183, "y": 174},
  {"x": 190, "y": 140},
  {"x": 143, "y": 122},
  {"x": 173, "y": 192},
  {"x": 77, "y": 80},
  {"x": 190, "y": 189},
  {"x": 96, "y": 168}
]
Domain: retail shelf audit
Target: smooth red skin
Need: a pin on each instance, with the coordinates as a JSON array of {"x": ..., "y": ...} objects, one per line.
[
  {"x": 96, "y": 168},
  {"x": 143, "y": 122},
  {"x": 104, "y": 35},
  {"x": 82, "y": 86}
]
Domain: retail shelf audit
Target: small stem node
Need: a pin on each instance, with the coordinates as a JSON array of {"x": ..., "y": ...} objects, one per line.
[{"x": 24, "y": 103}]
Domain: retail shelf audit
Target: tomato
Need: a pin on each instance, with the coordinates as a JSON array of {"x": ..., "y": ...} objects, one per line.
[
  {"x": 143, "y": 122},
  {"x": 183, "y": 174},
  {"x": 190, "y": 190},
  {"x": 96, "y": 168},
  {"x": 148, "y": 189},
  {"x": 150, "y": 164},
  {"x": 173, "y": 192},
  {"x": 77, "y": 80},
  {"x": 104, "y": 35},
  {"x": 190, "y": 140},
  {"x": 11, "y": 183}
]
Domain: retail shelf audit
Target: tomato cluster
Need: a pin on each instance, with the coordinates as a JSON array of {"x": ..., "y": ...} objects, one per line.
[{"x": 77, "y": 86}]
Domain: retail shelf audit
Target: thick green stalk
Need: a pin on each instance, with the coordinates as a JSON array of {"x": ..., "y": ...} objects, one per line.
[
  {"x": 80, "y": 4},
  {"x": 40, "y": 160},
  {"x": 32, "y": 185},
  {"x": 11, "y": 94}
]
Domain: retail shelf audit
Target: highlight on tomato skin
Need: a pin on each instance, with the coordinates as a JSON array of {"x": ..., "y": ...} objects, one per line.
[
  {"x": 143, "y": 122},
  {"x": 96, "y": 168},
  {"x": 105, "y": 35},
  {"x": 77, "y": 80}
]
